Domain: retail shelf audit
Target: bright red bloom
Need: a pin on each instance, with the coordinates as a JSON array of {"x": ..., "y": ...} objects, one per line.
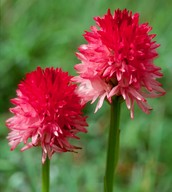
[
  {"x": 118, "y": 60},
  {"x": 47, "y": 112}
]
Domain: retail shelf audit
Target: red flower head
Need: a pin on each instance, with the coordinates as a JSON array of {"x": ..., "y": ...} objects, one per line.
[
  {"x": 118, "y": 60},
  {"x": 47, "y": 112}
]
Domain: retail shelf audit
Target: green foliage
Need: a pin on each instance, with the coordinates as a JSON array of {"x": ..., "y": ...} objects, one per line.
[{"x": 47, "y": 33}]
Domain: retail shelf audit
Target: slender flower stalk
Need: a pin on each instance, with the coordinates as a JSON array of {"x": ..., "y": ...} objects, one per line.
[
  {"x": 118, "y": 62},
  {"x": 46, "y": 176},
  {"x": 113, "y": 145},
  {"x": 47, "y": 114}
]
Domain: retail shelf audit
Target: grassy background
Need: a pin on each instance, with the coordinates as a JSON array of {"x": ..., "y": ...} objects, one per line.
[{"x": 47, "y": 33}]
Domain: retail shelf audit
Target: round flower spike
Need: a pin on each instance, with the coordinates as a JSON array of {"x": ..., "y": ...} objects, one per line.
[
  {"x": 118, "y": 60},
  {"x": 47, "y": 112}
]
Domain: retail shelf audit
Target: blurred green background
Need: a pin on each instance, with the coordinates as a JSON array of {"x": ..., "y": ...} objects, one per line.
[{"x": 47, "y": 33}]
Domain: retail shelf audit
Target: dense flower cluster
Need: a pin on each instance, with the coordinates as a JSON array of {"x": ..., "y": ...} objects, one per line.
[
  {"x": 118, "y": 61},
  {"x": 47, "y": 112}
]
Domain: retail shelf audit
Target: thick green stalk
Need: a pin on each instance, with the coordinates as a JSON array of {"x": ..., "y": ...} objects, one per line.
[
  {"x": 113, "y": 145},
  {"x": 45, "y": 175}
]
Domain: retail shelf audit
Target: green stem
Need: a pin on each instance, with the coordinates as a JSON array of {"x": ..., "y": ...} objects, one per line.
[
  {"x": 113, "y": 145},
  {"x": 45, "y": 175}
]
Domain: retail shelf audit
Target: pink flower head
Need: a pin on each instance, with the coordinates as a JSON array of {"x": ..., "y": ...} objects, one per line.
[
  {"x": 118, "y": 61},
  {"x": 47, "y": 112}
]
